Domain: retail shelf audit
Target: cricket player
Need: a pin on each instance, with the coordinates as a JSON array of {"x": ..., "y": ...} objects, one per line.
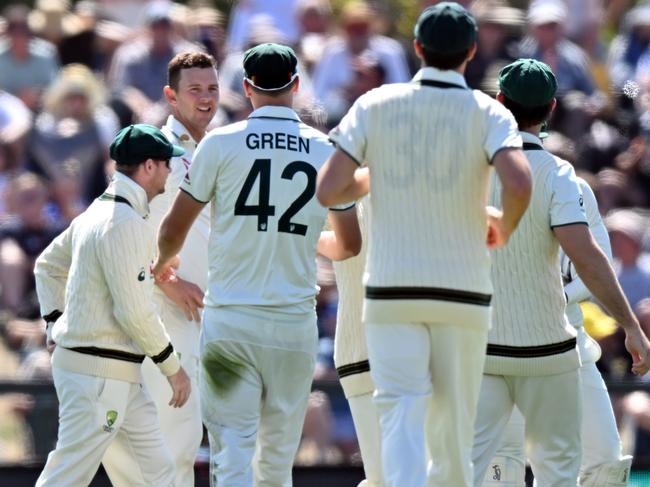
[
  {"x": 532, "y": 354},
  {"x": 429, "y": 146},
  {"x": 602, "y": 463},
  {"x": 94, "y": 284},
  {"x": 351, "y": 355},
  {"x": 258, "y": 337},
  {"x": 192, "y": 94}
]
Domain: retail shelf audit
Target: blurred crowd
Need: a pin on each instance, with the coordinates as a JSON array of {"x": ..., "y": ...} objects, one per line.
[{"x": 73, "y": 73}]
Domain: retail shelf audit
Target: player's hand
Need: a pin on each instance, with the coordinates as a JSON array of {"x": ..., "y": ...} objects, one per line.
[
  {"x": 181, "y": 388},
  {"x": 186, "y": 295},
  {"x": 638, "y": 346},
  {"x": 497, "y": 236},
  {"x": 165, "y": 271}
]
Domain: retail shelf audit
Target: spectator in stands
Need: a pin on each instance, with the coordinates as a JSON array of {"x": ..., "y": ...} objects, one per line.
[
  {"x": 208, "y": 30},
  {"x": 367, "y": 73},
  {"x": 69, "y": 143},
  {"x": 629, "y": 45},
  {"x": 27, "y": 64},
  {"x": 335, "y": 69},
  {"x": 548, "y": 43},
  {"x": 22, "y": 239},
  {"x": 626, "y": 232},
  {"x": 314, "y": 22},
  {"x": 141, "y": 64},
  {"x": 498, "y": 35},
  {"x": 280, "y": 14}
]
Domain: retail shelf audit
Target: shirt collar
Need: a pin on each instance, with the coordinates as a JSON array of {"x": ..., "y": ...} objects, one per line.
[
  {"x": 275, "y": 112},
  {"x": 435, "y": 74},
  {"x": 179, "y": 131},
  {"x": 529, "y": 138},
  {"x": 124, "y": 186}
]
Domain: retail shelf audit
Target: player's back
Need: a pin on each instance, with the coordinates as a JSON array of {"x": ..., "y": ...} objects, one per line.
[
  {"x": 429, "y": 164},
  {"x": 266, "y": 220},
  {"x": 528, "y": 302}
]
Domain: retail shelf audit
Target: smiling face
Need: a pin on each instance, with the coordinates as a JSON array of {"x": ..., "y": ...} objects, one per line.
[{"x": 194, "y": 103}]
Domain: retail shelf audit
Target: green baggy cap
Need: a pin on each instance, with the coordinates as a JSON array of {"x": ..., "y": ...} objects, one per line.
[
  {"x": 446, "y": 28},
  {"x": 270, "y": 67},
  {"x": 528, "y": 82},
  {"x": 137, "y": 143}
]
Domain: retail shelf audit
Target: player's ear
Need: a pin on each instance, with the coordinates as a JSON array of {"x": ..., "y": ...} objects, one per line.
[
  {"x": 472, "y": 51},
  {"x": 500, "y": 97},
  {"x": 418, "y": 48},
  {"x": 170, "y": 94},
  {"x": 247, "y": 89},
  {"x": 296, "y": 84}
]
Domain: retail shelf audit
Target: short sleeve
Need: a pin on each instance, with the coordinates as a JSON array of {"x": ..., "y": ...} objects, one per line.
[
  {"x": 201, "y": 179},
  {"x": 343, "y": 206},
  {"x": 351, "y": 134},
  {"x": 567, "y": 204},
  {"x": 502, "y": 131}
]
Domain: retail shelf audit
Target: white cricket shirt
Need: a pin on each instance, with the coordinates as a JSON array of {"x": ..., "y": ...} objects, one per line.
[
  {"x": 194, "y": 254},
  {"x": 530, "y": 334},
  {"x": 428, "y": 144},
  {"x": 259, "y": 176},
  {"x": 97, "y": 273}
]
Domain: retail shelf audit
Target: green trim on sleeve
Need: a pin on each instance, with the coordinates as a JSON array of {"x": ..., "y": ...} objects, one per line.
[
  {"x": 343, "y": 209},
  {"x": 338, "y": 146},
  {"x": 193, "y": 197},
  {"x": 568, "y": 224}
]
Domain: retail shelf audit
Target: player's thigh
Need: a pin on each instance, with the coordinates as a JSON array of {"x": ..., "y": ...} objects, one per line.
[
  {"x": 552, "y": 408},
  {"x": 399, "y": 357},
  {"x": 456, "y": 361},
  {"x": 141, "y": 438},
  {"x": 91, "y": 411},
  {"x": 230, "y": 385},
  {"x": 600, "y": 439}
]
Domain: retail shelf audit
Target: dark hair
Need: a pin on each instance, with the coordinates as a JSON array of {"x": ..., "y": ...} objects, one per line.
[
  {"x": 528, "y": 116},
  {"x": 187, "y": 60},
  {"x": 274, "y": 93},
  {"x": 444, "y": 61}
]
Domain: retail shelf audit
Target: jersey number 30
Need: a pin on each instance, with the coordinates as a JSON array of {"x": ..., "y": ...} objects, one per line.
[{"x": 262, "y": 169}]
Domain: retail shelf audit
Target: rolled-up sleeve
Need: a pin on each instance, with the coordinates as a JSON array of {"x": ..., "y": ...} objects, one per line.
[{"x": 126, "y": 254}]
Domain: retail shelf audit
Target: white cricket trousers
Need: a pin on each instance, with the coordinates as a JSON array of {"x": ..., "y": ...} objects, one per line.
[
  {"x": 426, "y": 373},
  {"x": 601, "y": 443},
  {"x": 95, "y": 412},
  {"x": 552, "y": 408},
  {"x": 366, "y": 424},
  {"x": 181, "y": 427},
  {"x": 253, "y": 406}
]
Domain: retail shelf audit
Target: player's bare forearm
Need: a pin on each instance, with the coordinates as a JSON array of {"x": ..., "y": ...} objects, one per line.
[
  {"x": 344, "y": 241},
  {"x": 174, "y": 227},
  {"x": 341, "y": 180},
  {"x": 514, "y": 173},
  {"x": 596, "y": 272}
]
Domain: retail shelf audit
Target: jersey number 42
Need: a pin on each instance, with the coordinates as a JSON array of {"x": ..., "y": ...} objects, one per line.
[{"x": 263, "y": 210}]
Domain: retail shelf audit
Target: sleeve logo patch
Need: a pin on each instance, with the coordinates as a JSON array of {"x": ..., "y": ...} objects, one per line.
[{"x": 141, "y": 276}]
